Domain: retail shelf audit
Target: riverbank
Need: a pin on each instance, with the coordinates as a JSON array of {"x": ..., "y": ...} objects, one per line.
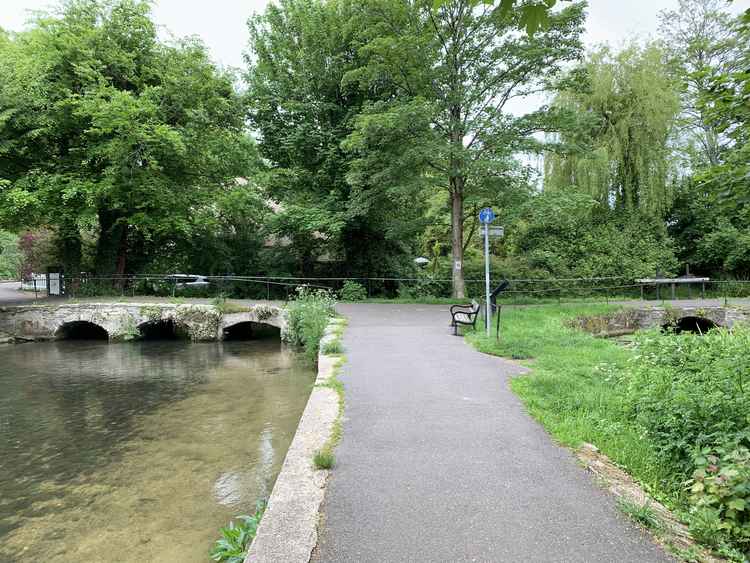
[{"x": 289, "y": 529}]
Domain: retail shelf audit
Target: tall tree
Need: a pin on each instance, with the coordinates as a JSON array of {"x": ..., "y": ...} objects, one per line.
[
  {"x": 725, "y": 103},
  {"x": 454, "y": 66},
  {"x": 621, "y": 150},
  {"x": 300, "y": 52},
  {"x": 701, "y": 43},
  {"x": 104, "y": 127}
]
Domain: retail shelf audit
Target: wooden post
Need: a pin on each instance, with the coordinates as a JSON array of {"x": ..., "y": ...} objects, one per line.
[
  {"x": 497, "y": 331},
  {"x": 673, "y": 288}
]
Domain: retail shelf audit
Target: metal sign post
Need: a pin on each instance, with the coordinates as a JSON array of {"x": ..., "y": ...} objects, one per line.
[{"x": 486, "y": 216}]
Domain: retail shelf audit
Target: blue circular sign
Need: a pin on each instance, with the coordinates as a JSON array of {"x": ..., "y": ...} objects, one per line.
[{"x": 486, "y": 215}]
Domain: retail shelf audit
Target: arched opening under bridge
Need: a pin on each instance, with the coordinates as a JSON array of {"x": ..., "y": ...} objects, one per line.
[{"x": 81, "y": 330}]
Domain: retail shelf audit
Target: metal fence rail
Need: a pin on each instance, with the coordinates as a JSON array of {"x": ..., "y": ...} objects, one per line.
[{"x": 520, "y": 290}]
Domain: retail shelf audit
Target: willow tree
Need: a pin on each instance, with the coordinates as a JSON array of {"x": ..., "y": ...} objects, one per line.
[
  {"x": 620, "y": 149},
  {"x": 453, "y": 68}
]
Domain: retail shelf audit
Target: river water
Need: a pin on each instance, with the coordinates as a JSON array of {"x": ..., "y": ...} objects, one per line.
[{"x": 139, "y": 452}]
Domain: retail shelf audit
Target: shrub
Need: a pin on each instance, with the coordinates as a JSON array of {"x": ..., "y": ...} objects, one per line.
[
  {"x": 353, "y": 291},
  {"x": 237, "y": 537},
  {"x": 720, "y": 496},
  {"x": 688, "y": 391},
  {"x": 308, "y": 316}
]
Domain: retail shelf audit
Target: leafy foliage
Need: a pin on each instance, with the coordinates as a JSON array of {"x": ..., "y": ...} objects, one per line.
[
  {"x": 353, "y": 291},
  {"x": 237, "y": 537},
  {"x": 304, "y": 110},
  {"x": 533, "y": 16},
  {"x": 10, "y": 256},
  {"x": 561, "y": 234},
  {"x": 620, "y": 150},
  {"x": 453, "y": 66},
  {"x": 106, "y": 129},
  {"x": 720, "y": 495},
  {"x": 689, "y": 390},
  {"x": 308, "y": 316},
  {"x": 701, "y": 43}
]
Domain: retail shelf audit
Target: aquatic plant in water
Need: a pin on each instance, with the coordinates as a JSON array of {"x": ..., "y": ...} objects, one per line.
[{"x": 237, "y": 537}]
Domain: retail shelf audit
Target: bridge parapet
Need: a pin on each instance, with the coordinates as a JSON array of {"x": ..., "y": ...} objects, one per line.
[
  {"x": 630, "y": 319},
  {"x": 127, "y": 321}
]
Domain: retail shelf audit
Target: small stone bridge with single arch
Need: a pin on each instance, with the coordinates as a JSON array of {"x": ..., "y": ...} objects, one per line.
[
  {"x": 132, "y": 321},
  {"x": 687, "y": 317}
]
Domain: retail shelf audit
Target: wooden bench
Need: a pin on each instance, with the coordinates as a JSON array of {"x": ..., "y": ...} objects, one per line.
[{"x": 465, "y": 315}]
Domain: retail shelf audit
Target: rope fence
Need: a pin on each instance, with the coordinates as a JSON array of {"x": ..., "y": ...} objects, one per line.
[{"x": 603, "y": 288}]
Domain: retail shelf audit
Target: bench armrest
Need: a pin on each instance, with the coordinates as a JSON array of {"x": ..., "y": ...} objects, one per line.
[{"x": 459, "y": 308}]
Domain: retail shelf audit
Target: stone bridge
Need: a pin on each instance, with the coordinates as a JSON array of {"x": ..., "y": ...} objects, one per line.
[
  {"x": 133, "y": 321},
  {"x": 692, "y": 318}
]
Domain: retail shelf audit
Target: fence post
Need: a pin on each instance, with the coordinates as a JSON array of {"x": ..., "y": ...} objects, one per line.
[
  {"x": 725, "y": 293},
  {"x": 497, "y": 331}
]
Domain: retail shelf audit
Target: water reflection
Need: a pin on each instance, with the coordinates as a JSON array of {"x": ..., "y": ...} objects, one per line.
[{"x": 142, "y": 450}]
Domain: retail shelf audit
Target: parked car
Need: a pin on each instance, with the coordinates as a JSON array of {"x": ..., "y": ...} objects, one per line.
[{"x": 182, "y": 281}]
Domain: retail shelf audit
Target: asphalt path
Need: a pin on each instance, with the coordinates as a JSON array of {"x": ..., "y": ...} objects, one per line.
[
  {"x": 11, "y": 294},
  {"x": 440, "y": 462}
]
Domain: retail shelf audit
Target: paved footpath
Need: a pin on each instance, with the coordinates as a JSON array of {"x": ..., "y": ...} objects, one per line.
[
  {"x": 11, "y": 294},
  {"x": 439, "y": 461}
]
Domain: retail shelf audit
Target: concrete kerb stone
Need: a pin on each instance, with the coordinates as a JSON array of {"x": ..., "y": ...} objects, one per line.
[{"x": 288, "y": 531}]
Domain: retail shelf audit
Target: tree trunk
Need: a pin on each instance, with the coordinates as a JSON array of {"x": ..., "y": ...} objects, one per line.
[
  {"x": 112, "y": 243},
  {"x": 69, "y": 244},
  {"x": 457, "y": 235},
  {"x": 122, "y": 250},
  {"x": 456, "y": 182}
]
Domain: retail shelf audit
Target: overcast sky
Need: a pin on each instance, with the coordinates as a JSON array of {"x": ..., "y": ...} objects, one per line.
[{"x": 221, "y": 23}]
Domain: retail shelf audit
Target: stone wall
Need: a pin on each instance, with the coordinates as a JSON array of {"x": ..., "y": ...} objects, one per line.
[{"x": 629, "y": 320}]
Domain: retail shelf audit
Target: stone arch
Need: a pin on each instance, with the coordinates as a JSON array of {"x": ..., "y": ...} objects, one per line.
[
  {"x": 81, "y": 330},
  {"x": 249, "y": 330},
  {"x": 163, "y": 329},
  {"x": 691, "y": 323},
  {"x": 267, "y": 319}
]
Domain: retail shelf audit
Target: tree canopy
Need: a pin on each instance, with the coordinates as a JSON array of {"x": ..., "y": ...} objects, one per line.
[
  {"x": 366, "y": 133},
  {"x": 106, "y": 129},
  {"x": 621, "y": 148},
  {"x": 453, "y": 69}
]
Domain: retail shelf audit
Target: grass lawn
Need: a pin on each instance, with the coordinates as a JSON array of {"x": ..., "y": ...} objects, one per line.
[{"x": 572, "y": 389}]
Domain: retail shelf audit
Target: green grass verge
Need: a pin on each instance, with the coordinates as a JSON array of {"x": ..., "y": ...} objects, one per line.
[
  {"x": 572, "y": 390},
  {"x": 324, "y": 458}
]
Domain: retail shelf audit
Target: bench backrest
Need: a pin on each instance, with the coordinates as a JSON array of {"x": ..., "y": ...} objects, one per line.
[{"x": 474, "y": 306}]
